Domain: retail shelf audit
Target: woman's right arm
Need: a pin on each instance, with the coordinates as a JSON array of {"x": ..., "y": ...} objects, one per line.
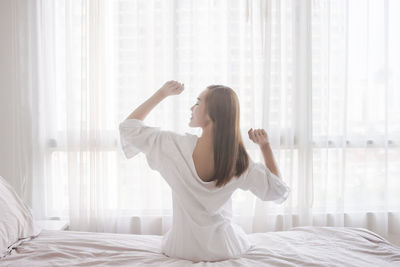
[
  {"x": 260, "y": 137},
  {"x": 265, "y": 181},
  {"x": 269, "y": 159}
]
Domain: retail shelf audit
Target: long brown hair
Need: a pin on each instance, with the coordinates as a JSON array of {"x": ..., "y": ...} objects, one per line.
[{"x": 230, "y": 156}]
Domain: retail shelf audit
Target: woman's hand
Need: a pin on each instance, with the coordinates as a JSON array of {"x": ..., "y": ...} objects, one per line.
[
  {"x": 258, "y": 136},
  {"x": 172, "y": 88}
]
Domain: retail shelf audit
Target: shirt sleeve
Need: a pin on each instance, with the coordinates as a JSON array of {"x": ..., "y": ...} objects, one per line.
[
  {"x": 152, "y": 141},
  {"x": 264, "y": 184}
]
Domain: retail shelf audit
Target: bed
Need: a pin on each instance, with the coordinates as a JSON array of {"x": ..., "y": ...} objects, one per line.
[
  {"x": 24, "y": 243},
  {"x": 299, "y": 246}
]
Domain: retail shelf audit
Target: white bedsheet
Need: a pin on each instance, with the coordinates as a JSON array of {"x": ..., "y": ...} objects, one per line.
[{"x": 300, "y": 246}]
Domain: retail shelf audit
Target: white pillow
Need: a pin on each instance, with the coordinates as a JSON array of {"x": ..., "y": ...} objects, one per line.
[{"x": 16, "y": 220}]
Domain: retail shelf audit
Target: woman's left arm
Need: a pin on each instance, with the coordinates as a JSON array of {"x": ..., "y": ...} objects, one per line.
[{"x": 169, "y": 88}]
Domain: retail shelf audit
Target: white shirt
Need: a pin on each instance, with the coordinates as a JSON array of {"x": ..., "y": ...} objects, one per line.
[{"x": 202, "y": 229}]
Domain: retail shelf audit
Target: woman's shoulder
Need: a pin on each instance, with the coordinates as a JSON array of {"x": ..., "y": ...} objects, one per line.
[
  {"x": 190, "y": 136},
  {"x": 187, "y": 140}
]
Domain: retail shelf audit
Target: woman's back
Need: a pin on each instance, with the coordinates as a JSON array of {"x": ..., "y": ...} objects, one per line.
[{"x": 203, "y": 159}]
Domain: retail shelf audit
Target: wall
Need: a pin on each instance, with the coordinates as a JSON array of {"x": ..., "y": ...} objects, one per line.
[{"x": 6, "y": 91}]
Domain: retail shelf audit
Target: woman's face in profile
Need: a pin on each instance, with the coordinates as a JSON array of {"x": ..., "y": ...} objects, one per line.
[{"x": 199, "y": 117}]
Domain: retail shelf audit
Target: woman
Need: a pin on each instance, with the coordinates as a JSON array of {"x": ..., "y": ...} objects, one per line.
[{"x": 203, "y": 172}]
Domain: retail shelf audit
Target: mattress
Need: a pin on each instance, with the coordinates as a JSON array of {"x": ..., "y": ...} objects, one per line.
[{"x": 299, "y": 246}]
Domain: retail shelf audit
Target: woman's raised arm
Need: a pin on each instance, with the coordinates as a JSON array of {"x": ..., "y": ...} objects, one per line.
[
  {"x": 260, "y": 137},
  {"x": 169, "y": 88}
]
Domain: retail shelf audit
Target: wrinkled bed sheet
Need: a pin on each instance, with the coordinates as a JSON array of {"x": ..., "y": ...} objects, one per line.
[{"x": 299, "y": 246}]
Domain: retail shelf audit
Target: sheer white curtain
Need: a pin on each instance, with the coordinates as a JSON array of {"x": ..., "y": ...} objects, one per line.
[
  {"x": 356, "y": 114},
  {"x": 319, "y": 76}
]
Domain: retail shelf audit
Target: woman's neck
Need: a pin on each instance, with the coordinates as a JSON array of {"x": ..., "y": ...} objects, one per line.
[{"x": 207, "y": 135}]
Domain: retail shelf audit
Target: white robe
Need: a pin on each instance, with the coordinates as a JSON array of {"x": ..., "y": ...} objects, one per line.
[{"x": 202, "y": 229}]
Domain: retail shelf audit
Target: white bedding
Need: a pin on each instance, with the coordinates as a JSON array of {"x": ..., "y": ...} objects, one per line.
[{"x": 300, "y": 246}]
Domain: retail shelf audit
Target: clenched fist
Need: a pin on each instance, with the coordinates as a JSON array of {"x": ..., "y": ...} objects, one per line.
[
  {"x": 172, "y": 88},
  {"x": 258, "y": 136}
]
